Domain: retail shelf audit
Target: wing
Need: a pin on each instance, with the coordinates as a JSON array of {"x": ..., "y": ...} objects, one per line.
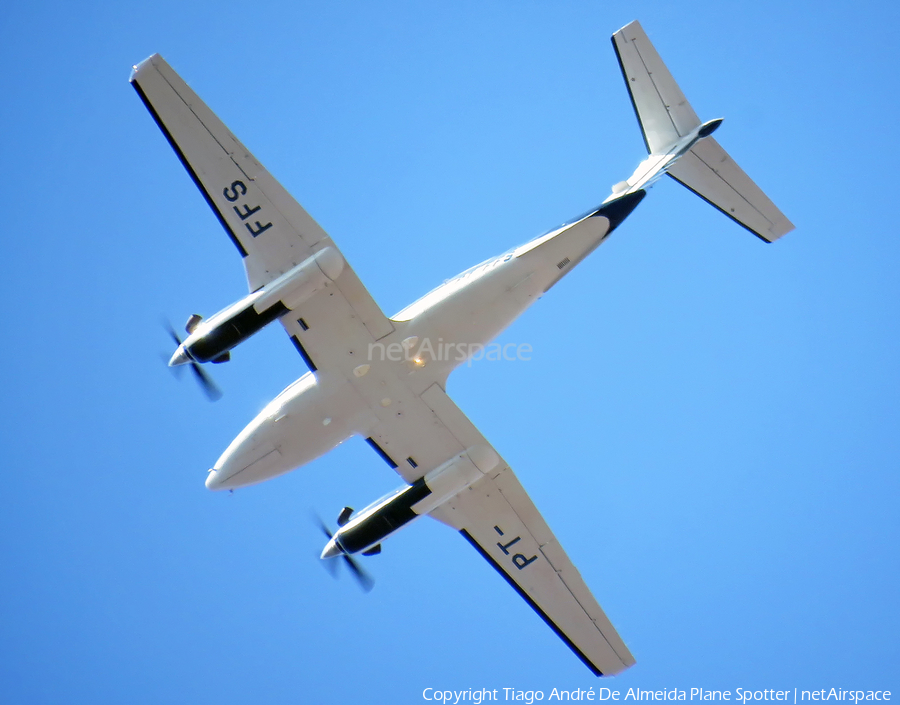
[
  {"x": 499, "y": 519},
  {"x": 270, "y": 229}
]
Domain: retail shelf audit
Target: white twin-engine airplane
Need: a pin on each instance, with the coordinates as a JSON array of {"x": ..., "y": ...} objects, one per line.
[{"x": 297, "y": 276}]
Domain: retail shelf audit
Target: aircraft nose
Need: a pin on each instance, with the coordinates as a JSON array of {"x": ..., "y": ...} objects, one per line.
[
  {"x": 213, "y": 479},
  {"x": 181, "y": 357}
]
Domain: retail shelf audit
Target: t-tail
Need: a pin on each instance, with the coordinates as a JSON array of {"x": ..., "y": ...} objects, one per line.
[{"x": 680, "y": 145}]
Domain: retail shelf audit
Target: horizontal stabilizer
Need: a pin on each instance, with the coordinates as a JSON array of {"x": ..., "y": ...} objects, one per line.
[{"x": 708, "y": 171}]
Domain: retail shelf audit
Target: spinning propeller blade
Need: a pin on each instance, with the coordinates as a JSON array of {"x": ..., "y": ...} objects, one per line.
[{"x": 366, "y": 581}]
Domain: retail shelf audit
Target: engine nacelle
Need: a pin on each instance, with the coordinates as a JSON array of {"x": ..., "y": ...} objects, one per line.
[
  {"x": 210, "y": 339},
  {"x": 378, "y": 521}
]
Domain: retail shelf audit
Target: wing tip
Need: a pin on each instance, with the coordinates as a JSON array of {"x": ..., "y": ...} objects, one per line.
[
  {"x": 142, "y": 66},
  {"x": 621, "y": 31}
]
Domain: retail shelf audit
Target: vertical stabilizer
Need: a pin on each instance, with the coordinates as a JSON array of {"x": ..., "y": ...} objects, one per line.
[
  {"x": 681, "y": 146},
  {"x": 662, "y": 110}
]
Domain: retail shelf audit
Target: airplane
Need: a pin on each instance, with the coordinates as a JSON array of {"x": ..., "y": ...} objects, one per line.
[{"x": 383, "y": 379}]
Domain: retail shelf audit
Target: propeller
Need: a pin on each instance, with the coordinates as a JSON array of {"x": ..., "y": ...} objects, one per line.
[
  {"x": 204, "y": 380},
  {"x": 366, "y": 581}
]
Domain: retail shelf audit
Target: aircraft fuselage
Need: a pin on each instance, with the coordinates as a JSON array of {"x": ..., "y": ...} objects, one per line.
[{"x": 433, "y": 336}]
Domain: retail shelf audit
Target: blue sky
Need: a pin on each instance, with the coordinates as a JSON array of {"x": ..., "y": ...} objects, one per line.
[{"x": 708, "y": 423}]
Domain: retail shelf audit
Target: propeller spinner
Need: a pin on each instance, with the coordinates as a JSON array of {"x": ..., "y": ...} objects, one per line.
[
  {"x": 332, "y": 549},
  {"x": 182, "y": 357}
]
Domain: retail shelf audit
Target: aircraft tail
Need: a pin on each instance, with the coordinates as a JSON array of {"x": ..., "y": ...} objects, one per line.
[{"x": 669, "y": 124}]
